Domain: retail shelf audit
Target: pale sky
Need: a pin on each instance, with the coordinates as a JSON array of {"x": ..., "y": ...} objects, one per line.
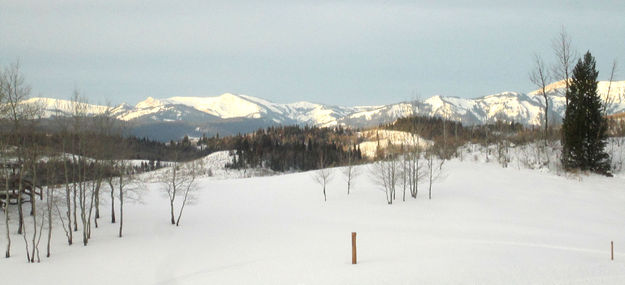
[{"x": 334, "y": 52}]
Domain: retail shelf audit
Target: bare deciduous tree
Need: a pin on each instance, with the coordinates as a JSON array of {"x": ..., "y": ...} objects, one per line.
[
  {"x": 32, "y": 159},
  {"x": 386, "y": 174},
  {"x": 103, "y": 152},
  {"x": 79, "y": 160},
  {"x": 435, "y": 169},
  {"x": 350, "y": 171},
  {"x": 180, "y": 181},
  {"x": 15, "y": 91},
  {"x": 191, "y": 170},
  {"x": 323, "y": 175},
  {"x": 65, "y": 137},
  {"x": 124, "y": 179},
  {"x": 6, "y": 175},
  {"x": 110, "y": 179},
  {"x": 129, "y": 188},
  {"x": 414, "y": 151},
  {"x": 50, "y": 200},
  {"x": 5, "y": 172},
  {"x": 415, "y": 172},
  {"x": 13, "y": 108},
  {"x": 565, "y": 60},
  {"x": 609, "y": 100},
  {"x": 118, "y": 172},
  {"x": 540, "y": 77}
]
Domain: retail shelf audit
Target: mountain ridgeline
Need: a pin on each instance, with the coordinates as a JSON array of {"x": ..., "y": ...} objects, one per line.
[{"x": 230, "y": 114}]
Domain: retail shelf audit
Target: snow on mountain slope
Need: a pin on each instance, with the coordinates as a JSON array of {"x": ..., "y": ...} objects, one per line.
[
  {"x": 303, "y": 112},
  {"x": 510, "y": 106},
  {"x": 53, "y": 107},
  {"x": 507, "y": 106},
  {"x": 370, "y": 116},
  {"x": 227, "y": 106},
  {"x": 612, "y": 93},
  {"x": 142, "y": 109},
  {"x": 150, "y": 103},
  {"x": 616, "y": 88},
  {"x": 317, "y": 114},
  {"x": 224, "y": 106}
]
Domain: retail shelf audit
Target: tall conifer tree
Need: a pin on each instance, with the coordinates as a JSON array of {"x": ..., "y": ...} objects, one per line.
[{"x": 584, "y": 127}]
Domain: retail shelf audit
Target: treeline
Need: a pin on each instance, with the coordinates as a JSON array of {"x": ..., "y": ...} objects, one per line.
[
  {"x": 294, "y": 148},
  {"x": 65, "y": 147},
  {"x": 127, "y": 147},
  {"x": 455, "y": 134}
]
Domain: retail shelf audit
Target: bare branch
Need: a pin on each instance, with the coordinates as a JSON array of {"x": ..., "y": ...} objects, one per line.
[
  {"x": 609, "y": 100},
  {"x": 323, "y": 176},
  {"x": 540, "y": 77},
  {"x": 565, "y": 59}
]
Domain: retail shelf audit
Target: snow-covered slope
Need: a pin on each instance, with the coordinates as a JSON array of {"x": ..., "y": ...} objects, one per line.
[
  {"x": 373, "y": 139},
  {"x": 508, "y": 106},
  {"x": 612, "y": 93},
  {"x": 59, "y": 107},
  {"x": 484, "y": 225},
  {"x": 229, "y": 106}
]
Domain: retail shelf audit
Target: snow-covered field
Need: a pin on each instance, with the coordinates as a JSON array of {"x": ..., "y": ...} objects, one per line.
[
  {"x": 373, "y": 138},
  {"x": 485, "y": 225}
]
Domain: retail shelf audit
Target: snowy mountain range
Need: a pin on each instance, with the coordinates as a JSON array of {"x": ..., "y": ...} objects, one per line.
[{"x": 231, "y": 113}]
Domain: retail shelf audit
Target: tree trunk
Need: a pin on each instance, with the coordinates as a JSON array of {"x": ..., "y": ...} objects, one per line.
[
  {"x": 546, "y": 116},
  {"x": 68, "y": 200},
  {"x": 82, "y": 200},
  {"x": 49, "y": 202},
  {"x": 416, "y": 181},
  {"x": 349, "y": 180},
  {"x": 26, "y": 243},
  {"x": 6, "y": 217},
  {"x": 184, "y": 202},
  {"x": 171, "y": 206},
  {"x": 97, "y": 200},
  {"x": 172, "y": 195},
  {"x": 112, "y": 200},
  {"x": 121, "y": 203},
  {"x": 20, "y": 211},
  {"x": 431, "y": 177},
  {"x": 91, "y": 206},
  {"x": 36, "y": 245},
  {"x": 83, "y": 214},
  {"x": 33, "y": 209},
  {"x": 404, "y": 179},
  {"x": 75, "y": 207}
]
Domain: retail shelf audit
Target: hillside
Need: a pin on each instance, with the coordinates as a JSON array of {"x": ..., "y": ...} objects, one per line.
[{"x": 484, "y": 225}]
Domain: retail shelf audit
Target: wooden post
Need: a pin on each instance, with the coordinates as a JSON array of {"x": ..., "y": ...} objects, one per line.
[
  {"x": 611, "y": 250},
  {"x": 354, "y": 261}
]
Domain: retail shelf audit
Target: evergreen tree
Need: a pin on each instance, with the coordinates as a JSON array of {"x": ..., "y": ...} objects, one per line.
[{"x": 584, "y": 127}]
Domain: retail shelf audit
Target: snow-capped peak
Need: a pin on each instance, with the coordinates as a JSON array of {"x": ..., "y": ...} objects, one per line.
[
  {"x": 224, "y": 106},
  {"x": 508, "y": 106},
  {"x": 150, "y": 102}
]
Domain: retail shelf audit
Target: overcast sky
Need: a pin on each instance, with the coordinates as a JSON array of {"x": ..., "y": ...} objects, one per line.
[{"x": 334, "y": 52}]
